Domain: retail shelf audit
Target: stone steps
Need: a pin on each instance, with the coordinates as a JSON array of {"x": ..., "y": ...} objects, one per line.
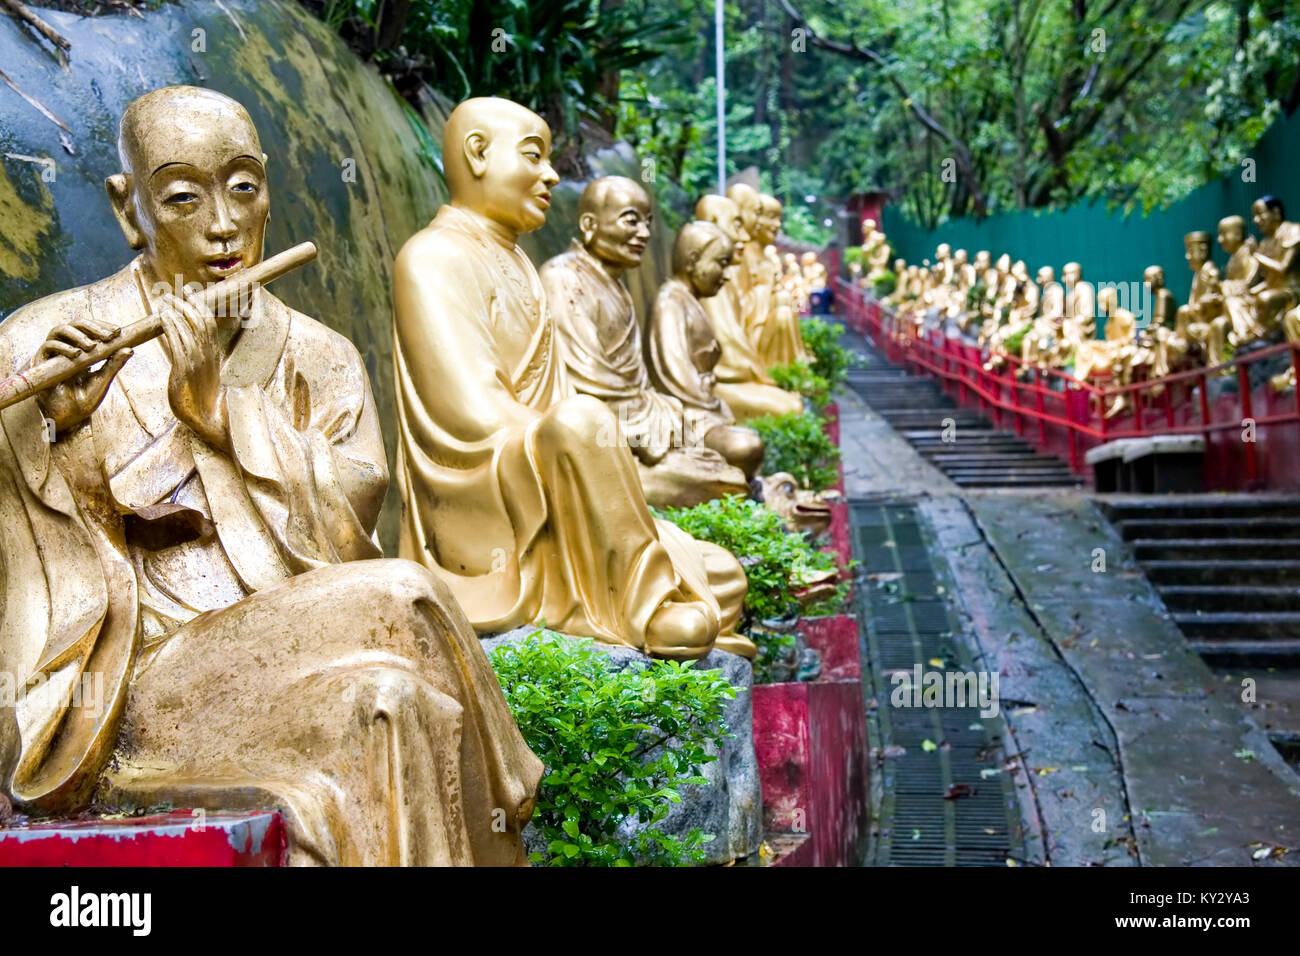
[
  {"x": 1218, "y": 597},
  {"x": 1215, "y": 549}
]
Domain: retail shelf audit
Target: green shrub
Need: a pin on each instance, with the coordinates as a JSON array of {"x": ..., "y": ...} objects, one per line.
[
  {"x": 831, "y": 360},
  {"x": 797, "y": 443},
  {"x": 799, "y": 377},
  {"x": 595, "y": 730},
  {"x": 884, "y": 284},
  {"x": 775, "y": 562}
]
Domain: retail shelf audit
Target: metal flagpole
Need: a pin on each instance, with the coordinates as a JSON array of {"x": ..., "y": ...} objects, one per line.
[{"x": 722, "y": 96}]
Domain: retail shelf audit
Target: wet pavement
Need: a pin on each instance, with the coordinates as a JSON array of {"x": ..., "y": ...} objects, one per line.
[{"x": 1121, "y": 745}]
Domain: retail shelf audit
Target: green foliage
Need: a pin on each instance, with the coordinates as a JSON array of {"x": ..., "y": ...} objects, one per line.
[
  {"x": 884, "y": 284},
  {"x": 558, "y": 57},
  {"x": 599, "y": 732},
  {"x": 798, "y": 443},
  {"x": 799, "y": 377},
  {"x": 776, "y": 561},
  {"x": 1133, "y": 102},
  {"x": 831, "y": 360}
]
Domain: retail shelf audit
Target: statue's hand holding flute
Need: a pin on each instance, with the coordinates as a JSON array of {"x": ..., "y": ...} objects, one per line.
[{"x": 68, "y": 391}]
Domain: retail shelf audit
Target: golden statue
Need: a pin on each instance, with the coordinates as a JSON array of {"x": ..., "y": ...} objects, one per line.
[
  {"x": 1279, "y": 258},
  {"x": 743, "y": 381},
  {"x": 193, "y": 524},
  {"x": 1079, "y": 320},
  {"x": 515, "y": 490},
  {"x": 1204, "y": 302},
  {"x": 773, "y": 322},
  {"x": 1038, "y": 346},
  {"x": 601, "y": 345},
  {"x": 1241, "y": 274}
]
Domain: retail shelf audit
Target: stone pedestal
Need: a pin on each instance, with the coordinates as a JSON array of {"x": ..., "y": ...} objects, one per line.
[{"x": 730, "y": 804}]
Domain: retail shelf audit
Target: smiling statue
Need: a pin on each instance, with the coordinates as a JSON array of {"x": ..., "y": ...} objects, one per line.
[
  {"x": 516, "y": 491},
  {"x": 679, "y": 464},
  {"x": 185, "y": 527}
]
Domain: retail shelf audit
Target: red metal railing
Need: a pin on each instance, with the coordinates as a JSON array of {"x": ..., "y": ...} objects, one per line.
[{"x": 1066, "y": 416}]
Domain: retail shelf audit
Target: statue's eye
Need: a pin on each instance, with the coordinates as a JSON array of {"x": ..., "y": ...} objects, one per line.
[
  {"x": 180, "y": 199},
  {"x": 788, "y": 488},
  {"x": 244, "y": 188}
]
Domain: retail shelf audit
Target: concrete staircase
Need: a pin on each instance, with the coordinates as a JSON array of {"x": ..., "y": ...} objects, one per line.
[
  {"x": 1228, "y": 569},
  {"x": 958, "y": 441}
]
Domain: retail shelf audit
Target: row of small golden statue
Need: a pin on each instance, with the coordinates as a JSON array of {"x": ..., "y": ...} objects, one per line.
[
  {"x": 192, "y": 521},
  {"x": 1256, "y": 298}
]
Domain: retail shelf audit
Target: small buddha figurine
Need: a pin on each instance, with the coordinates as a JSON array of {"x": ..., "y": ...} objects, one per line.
[
  {"x": 773, "y": 323},
  {"x": 743, "y": 381},
  {"x": 1240, "y": 322},
  {"x": 1037, "y": 346},
  {"x": 197, "y": 531},
  {"x": 1204, "y": 302},
  {"x": 1169, "y": 345},
  {"x": 1079, "y": 322},
  {"x": 515, "y": 489},
  {"x": 1121, "y": 350},
  {"x": 601, "y": 341},
  {"x": 1278, "y": 256}
]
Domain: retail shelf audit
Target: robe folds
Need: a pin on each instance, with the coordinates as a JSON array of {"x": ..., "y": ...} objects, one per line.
[
  {"x": 772, "y": 324},
  {"x": 254, "y": 650},
  {"x": 742, "y": 378},
  {"x": 515, "y": 490},
  {"x": 600, "y": 340}
]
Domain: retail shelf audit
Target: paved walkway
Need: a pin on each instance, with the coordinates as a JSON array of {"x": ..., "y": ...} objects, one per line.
[{"x": 1122, "y": 746}]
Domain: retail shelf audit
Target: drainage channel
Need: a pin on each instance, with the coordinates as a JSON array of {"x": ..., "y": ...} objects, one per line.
[{"x": 942, "y": 798}]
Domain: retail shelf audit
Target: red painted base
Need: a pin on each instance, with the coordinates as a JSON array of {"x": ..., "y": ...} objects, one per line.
[
  {"x": 811, "y": 741},
  {"x": 836, "y": 639},
  {"x": 841, "y": 543},
  {"x": 180, "y": 838}
]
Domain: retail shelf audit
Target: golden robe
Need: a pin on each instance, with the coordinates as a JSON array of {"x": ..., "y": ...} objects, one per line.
[
  {"x": 774, "y": 331},
  {"x": 505, "y": 494},
  {"x": 743, "y": 382},
  {"x": 601, "y": 344},
  {"x": 250, "y": 657}
]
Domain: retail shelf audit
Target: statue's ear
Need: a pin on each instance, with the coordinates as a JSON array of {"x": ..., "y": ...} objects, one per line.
[
  {"x": 587, "y": 226},
  {"x": 119, "y": 195},
  {"x": 476, "y": 147}
]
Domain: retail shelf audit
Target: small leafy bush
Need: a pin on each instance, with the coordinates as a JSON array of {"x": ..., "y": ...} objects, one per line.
[
  {"x": 884, "y": 284},
  {"x": 775, "y": 562},
  {"x": 799, "y": 377},
  {"x": 599, "y": 731},
  {"x": 831, "y": 360},
  {"x": 797, "y": 443}
]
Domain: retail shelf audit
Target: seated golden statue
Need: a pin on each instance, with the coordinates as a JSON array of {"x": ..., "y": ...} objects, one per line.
[
  {"x": 193, "y": 523},
  {"x": 772, "y": 322},
  {"x": 1205, "y": 301},
  {"x": 1169, "y": 339},
  {"x": 1278, "y": 256},
  {"x": 1038, "y": 345},
  {"x": 515, "y": 490},
  {"x": 601, "y": 345},
  {"x": 743, "y": 381},
  {"x": 1241, "y": 274}
]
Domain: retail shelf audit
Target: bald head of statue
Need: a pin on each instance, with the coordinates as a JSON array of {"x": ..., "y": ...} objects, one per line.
[
  {"x": 702, "y": 254},
  {"x": 497, "y": 158},
  {"x": 746, "y": 198},
  {"x": 724, "y": 214},
  {"x": 192, "y": 193},
  {"x": 614, "y": 221},
  {"x": 769, "y": 219}
]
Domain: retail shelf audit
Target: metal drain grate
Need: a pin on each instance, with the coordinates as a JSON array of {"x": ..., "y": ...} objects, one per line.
[{"x": 943, "y": 800}]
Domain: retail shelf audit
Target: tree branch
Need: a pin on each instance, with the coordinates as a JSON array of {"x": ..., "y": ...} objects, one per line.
[{"x": 961, "y": 152}]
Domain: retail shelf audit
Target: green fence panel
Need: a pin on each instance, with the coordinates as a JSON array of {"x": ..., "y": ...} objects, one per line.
[{"x": 1110, "y": 246}]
